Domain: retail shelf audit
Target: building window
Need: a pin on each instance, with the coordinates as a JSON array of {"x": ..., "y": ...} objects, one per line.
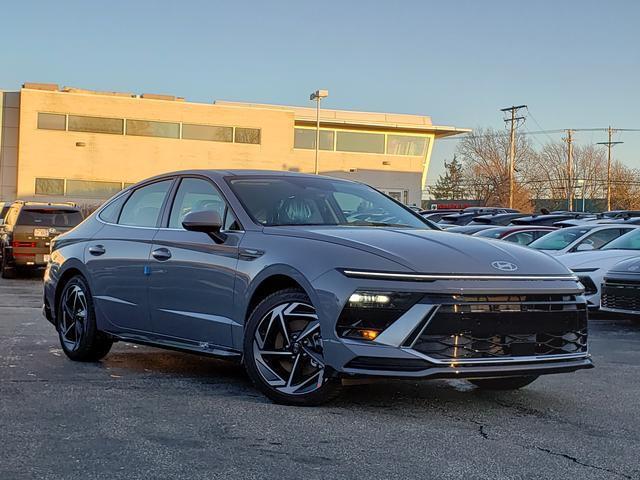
[
  {"x": 406, "y": 145},
  {"x": 207, "y": 132},
  {"x": 49, "y": 186},
  {"x": 79, "y": 123},
  {"x": 147, "y": 128},
  {"x": 247, "y": 135},
  {"x": 306, "y": 138},
  {"x": 52, "y": 121},
  {"x": 360, "y": 142},
  {"x": 92, "y": 189}
]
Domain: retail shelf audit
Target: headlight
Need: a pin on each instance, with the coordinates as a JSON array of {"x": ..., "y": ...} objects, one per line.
[{"x": 368, "y": 313}]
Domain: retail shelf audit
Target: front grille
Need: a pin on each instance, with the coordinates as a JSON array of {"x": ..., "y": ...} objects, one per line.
[
  {"x": 494, "y": 327},
  {"x": 621, "y": 295}
]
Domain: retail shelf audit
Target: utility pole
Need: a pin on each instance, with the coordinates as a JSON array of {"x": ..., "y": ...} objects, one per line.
[
  {"x": 609, "y": 144},
  {"x": 512, "y": 119},
  {"x": 569, "y": 140}
]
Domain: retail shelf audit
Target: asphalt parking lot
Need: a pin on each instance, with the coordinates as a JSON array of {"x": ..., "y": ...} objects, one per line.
[{"x": 145, "y": 413}]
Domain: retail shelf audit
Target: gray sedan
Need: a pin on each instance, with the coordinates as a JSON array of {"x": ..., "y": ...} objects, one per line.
[{"x": 308, "y": 280}]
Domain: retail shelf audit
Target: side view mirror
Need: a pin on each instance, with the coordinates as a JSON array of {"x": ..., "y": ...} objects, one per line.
[
  {"x": 585, "y": 247},
  {"x": 205, "y": 221}
]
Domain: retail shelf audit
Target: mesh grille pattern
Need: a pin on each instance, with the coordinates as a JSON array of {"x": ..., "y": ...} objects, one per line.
[
  {"x": 492, "y": 327},
  {"x": 621, "y": 296}
]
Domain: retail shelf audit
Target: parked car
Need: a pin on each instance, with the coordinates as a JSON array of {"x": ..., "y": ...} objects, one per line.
[
  {"x": 590, "y": 267},
  {"x": 522, "y": 235},
  {"x": 496, "y": 218},
  {"x": 579, "y": 239},
  {"x": 549, "y": 220},
  {"x": 436, "y": 215},
  {"x": 620, "y": 214},
  {"x": 4, "y": 208},
  {"x": 308, "y": 280},
  {"x": 470, "y": 213},
  {"x": 28, "y": 231},
  {"x": 620, "y": 292},
  {"x": 468, "y": 229},
  {"x": 621, "y": 221}
]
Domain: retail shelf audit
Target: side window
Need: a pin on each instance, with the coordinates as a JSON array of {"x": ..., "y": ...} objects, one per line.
[
  {"x": 143, "y": 206},
  {"x": 195, "y": 195},
  {"x": 112, "y": 211},
  {"x": 600, "y": 238}
]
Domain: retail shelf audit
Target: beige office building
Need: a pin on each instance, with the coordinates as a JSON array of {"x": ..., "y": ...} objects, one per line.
[{"x": 83, "y": 146}]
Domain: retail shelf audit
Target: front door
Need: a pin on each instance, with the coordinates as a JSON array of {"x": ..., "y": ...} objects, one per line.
[{"x": 192, "y": 277}]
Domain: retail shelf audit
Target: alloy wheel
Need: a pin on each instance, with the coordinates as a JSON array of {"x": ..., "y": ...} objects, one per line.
[
  {"x": 73, "y": 321},
  {"x": 287, "y": 349}
]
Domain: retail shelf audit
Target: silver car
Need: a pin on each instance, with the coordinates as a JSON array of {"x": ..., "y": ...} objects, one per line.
[{"x": 308, "y": 280}]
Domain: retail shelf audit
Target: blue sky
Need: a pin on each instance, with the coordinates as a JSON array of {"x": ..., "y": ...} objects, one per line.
[{"x": 576, "y": 64}]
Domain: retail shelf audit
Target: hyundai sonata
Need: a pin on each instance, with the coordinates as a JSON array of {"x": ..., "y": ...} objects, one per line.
[{"x": 308, "y": 280}]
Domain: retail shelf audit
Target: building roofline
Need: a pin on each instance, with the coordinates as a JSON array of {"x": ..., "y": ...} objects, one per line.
[{"x": 302, "y": 115}]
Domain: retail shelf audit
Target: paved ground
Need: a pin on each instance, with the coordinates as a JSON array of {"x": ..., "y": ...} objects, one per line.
[{"x": 145, "y": 413}]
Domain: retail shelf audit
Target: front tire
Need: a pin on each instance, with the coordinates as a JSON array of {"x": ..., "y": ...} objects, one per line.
[
  {"x": 503, "y": 383},
  {"x": 283, "y": 351},
  {"x": 76, "y": 323}
]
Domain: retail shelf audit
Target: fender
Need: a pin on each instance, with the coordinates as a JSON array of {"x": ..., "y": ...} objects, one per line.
[{"x": 243, "y": 295}]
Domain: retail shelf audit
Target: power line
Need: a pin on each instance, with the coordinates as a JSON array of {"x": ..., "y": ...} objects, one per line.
[{"x": 537, "y": 132}]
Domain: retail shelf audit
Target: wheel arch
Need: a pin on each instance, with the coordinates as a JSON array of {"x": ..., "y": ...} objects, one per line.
[
  {"x": 73, "y": 268},
  {"x": 272, "y": 280}
]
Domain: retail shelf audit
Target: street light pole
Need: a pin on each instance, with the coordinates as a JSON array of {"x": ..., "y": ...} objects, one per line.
[{"x": 317, "y": 96}]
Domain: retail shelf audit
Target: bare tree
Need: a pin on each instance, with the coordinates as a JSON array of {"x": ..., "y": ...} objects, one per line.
[
  {"x": 484, "y": 155},
  {"x": 625, "y": 187}
]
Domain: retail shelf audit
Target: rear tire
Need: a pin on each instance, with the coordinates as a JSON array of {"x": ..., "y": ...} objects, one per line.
[
  {"x": 76, "y": 323},
  {"x": 503, "y": 383},
  {"x": 283, "y": 351}
]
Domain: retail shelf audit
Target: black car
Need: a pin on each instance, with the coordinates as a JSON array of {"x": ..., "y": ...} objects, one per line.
[
  {"x": 28, "y": 230},
  {"x": 498, "y": 219},
  {"x": 621, "y": 288},
  {"x": 549, "y": 220},
  {"x": 468, "y": 214}
]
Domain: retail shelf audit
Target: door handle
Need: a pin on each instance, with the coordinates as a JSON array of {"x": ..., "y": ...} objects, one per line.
[
  {"x": 161, "y": 254},
  {"x": 97, "y": 250}
]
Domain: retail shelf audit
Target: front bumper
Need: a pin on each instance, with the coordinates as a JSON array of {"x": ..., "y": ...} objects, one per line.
[{"x": 396, "y": 352}]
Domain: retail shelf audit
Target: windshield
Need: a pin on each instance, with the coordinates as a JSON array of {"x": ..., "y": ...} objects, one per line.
[
  {"x": 560, "y": 238},
  {"x": 46, "y": 217},
  {"x": 294, "y": 200},
  {"x": 628, "y": 241}
]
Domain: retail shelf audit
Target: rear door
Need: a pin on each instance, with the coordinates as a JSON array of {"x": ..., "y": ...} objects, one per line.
[
  {"x": 118, "y": 256},
  {"x": 192, "y": 277}
]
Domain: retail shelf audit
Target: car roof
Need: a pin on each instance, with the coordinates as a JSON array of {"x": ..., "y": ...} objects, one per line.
[
  {"x": 519, "y": 228},
  {"x": 46, "y": 206}
]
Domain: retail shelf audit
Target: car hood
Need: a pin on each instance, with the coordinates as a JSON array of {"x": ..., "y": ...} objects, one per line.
[
  {"x": 629, "y": 266},
  {"x": 431, "y": 251},
  {"x": 601, "y": 259}
]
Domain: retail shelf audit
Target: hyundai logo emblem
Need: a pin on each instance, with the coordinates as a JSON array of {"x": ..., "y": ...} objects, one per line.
[{"x": 504, "y": 266}]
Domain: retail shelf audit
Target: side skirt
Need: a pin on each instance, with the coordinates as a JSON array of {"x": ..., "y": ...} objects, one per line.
[{"x": 205, "y": 349}]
